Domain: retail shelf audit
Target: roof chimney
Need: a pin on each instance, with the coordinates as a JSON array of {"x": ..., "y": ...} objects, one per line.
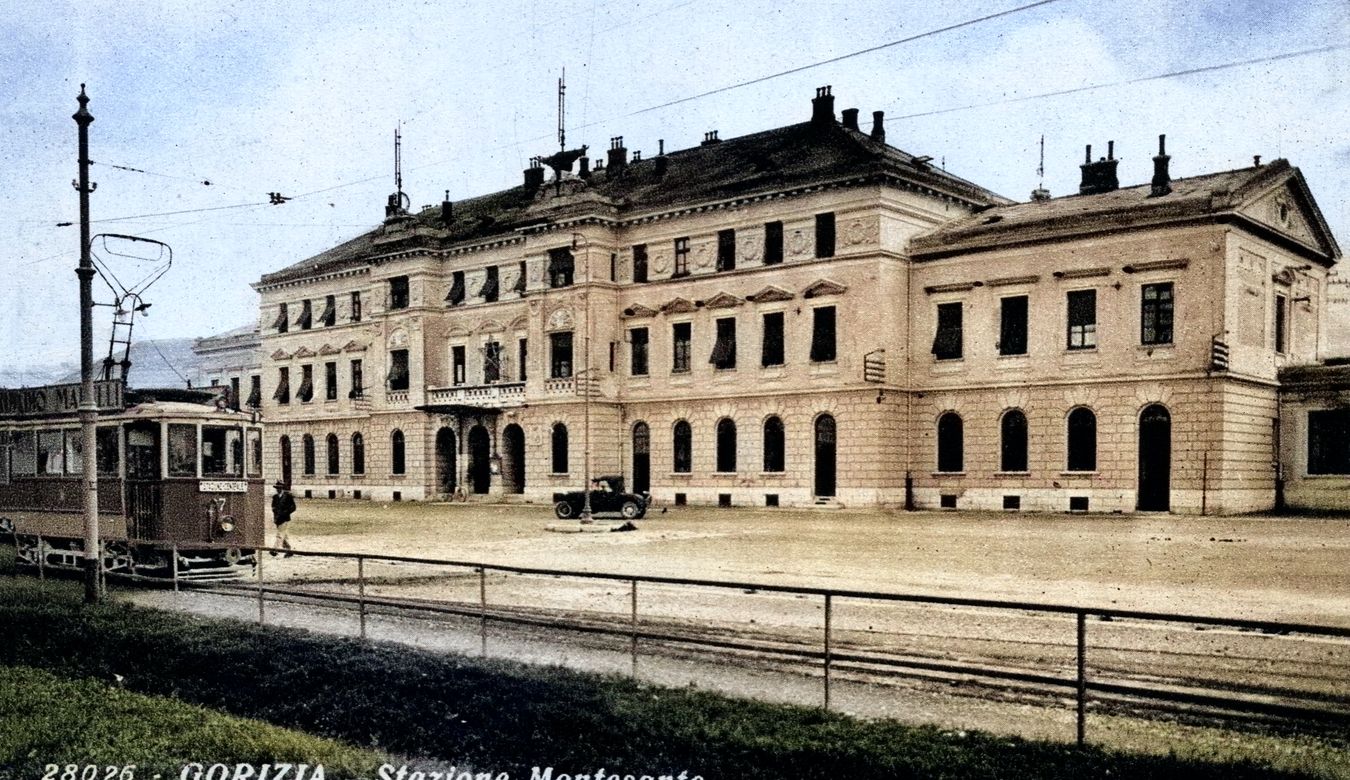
[
  {"x": 534, "y": 175},
  {"x": 585, "y": 170},
  {"x": 710, "y": 137},
  {"x": 822, "y": 107},
  {"x": 447, "y": 209},
  {"x": 1162, "y": 179},
  {"x": 1100, "y": 176},
  {"x": 618, "y": 154},
  {"x": 878, "y": 127},
  {"x": 851, "y": 118}
]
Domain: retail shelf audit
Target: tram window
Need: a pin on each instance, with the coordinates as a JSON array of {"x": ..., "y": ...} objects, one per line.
[
  {"x": 255, "y": 452},
  {"x": 182, "y": 450},
  {"x": 106, "y": 450},
  {"x": 222, "y": 451},
  {"x": 74, "y": 452},
  {"x": 50, "y": 452},
  {"x": 23, "y": 453}
]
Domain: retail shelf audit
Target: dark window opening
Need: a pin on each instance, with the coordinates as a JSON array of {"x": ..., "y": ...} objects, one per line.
[
  {"x": 458, "y": 365},
  {"x": 561, "y": 267},
  {"x": 1078, "y": 503},
  {"x": 822, "y": 335},
  {"x": 1013, "y": 455},
  {"x": 358, "y": 455},
  {"x": 254, "y": 391},
  {"x": 947, "y": 342},
  {"x": 681, "y": 335},
  {"x": 397, "y": 460},
  {"x": 724, "y": 500},
  {"x": 825, "y": 235},
  {"x": 519, "y": 286},
  {"x": 282, "y": 394},
  {"x": 775, "y": 446},
  {"x": 772, "y": 353},
  {"x": 305, "y": 393},
  {"x": 307, "y": 448},
  {"x": 456, "y": 295},
  {"x": 773, "y": 243},
  {"x": 640, "y": 263},
  {"x": 770, "y": 499},
  {"x": 951, "y": 443},
  {"x": 1082, "y": 320},
  {"x": 1281, "y": 323},
  {"x": 1082, "y": 442},
  {"x": 306, "y": 318},
  {"x": 637, "y": 338},
  {"x": 681, "y": 499},
  {"x": 1328, "y": 434},
  {"x": 726, "y": 250},
  {"x": 559, "y": 448},
  {"x": 947, "y": 500},
  {"x": 356, "y": 306},
  {"x": 1012, "y": 502},
  {"x": 358, "y": 381},
  {"x": 560, "y": 354},
  {"x": 724, "y": 348},
  {"x": 283, "y": 320},
  {"x": 492, "y": 362},
  {"x": 726, "y": 446},
  {"x": 222, "y": 451},
  {"x": 105, "y": 440},
  {"x": 1012, "y": 336},
  {"x": 398, "y": 369},
  {"x": 329, "y": 315},
  {"x": 681, "y": 257},
  {"x": 523, "y": 351},
  {"x": 1156, "y": 314},
  {"x": 330, "y": 385},
  {"x": 683, "y": 448},
  {"x": 489, "y": 291},
  {"x": 234, "y": 393},
  {"x": 333, "y": 457},
  {"x": 398, "y": 292}
]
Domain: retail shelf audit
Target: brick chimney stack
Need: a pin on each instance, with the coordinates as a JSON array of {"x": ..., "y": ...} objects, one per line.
[
  {"x": 1162, "y": 178},
  {"x": 850, "y": 118},
  {"x": 878, "y": 126},
  {"x": 618, "y": 155},
  {"x": 822, "y": 107},
  {"x": 1100, "y": 176}
]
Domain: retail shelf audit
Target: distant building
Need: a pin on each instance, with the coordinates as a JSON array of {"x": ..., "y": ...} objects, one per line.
[
  {"x": 801, "y": 316},
  {"x": 233, "y": 359}
]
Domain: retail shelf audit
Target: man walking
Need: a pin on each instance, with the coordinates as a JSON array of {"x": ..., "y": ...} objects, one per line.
[{"x": 283, "y": 506}]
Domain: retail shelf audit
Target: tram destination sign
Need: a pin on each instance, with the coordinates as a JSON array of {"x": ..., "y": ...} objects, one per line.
[{"x": 52, "y": 400}]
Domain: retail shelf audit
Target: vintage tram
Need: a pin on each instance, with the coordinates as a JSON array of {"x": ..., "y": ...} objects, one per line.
[{"x": 178, "y": 473}]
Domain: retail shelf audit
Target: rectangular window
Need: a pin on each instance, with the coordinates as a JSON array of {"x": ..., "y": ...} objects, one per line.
[
  {"x": 356, "y": 306},
  {"x": 254, "y": 444},
  {"x": 358, "y": 381},
  {"x": 773, "y": 352},
  {"x": 726, "y": 250},
  {"x": 681, "y": 257},
  {"x": 398, "y": 293},
  {"x": 825, "y": 235},
  {"x": 947, "y": 342},
  {"x": 640, "y": 263},
  {"x": 522, "y": 356},
  {"x": 458, "y": 365},
  {"x": 773, "y": 243},
  {"x": 234, "y": 393},
  {"x": 282, "y": 394},
  {"x": 1082, "y": 320},
  {"x": 1155, "y": 315},
  {"x": 182, "y": 450},
  {"x": 283, "y": 320},
  {"x": 305, "y": 393},
  {"x": 306, "y": 317},
  {"x": 329, "y": 315},
  {"x": 637, "y": 339},
  {"x": 105, "y": 450},
  {"x": 222, "y": 451},
  {"x": 492, "y": 362},
  {"x": 613, "y": 266},
  {"x": 491, "y": 282},
  {"x": 681, "y": 333},
  {"x": 822, "y": 335},
  {"x": 456, "y": 295},
  {"x": 1328, "y": 432},
  {"x": 1012, "y": 338},
  {"x": 398, "y": 369},
  {"x": 560, "y": 354},
  {"x": 74, "y": 452},
  {"x": 1281, "y": 323},
  {"x": 330, "y": 388},
  {"x": 561, "y": 267},
  {"x": 254, "y": 391},
  {"x": 519, "y": 286},
  {"x": 23, "y": 445},
  {"x": 724, "y": 348}
]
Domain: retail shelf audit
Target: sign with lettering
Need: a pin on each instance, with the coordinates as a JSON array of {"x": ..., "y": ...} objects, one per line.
[
  {"x": 222, "y": 486},
  {"x": 52, "y": 400}
]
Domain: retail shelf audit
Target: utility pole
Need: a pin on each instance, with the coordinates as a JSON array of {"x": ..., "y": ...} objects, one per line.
[{"x": 93, "y": 591}]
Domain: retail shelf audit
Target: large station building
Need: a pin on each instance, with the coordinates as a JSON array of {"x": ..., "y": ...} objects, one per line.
[{"x": 808, "y": 316}]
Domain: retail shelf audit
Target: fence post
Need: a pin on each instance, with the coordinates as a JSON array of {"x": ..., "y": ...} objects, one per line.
[
  {"x": 173, "y": 559},
  {"x": 14, "y": 529},
  {"x": 262, "y": 614},
  {"x": 633, "y": 626},
  {"x": 829, "y": 609},
  {"x": 1082, "y": 678},
  {"x": 361, "y": 591},
  {"x": 482, "y": 608},
  {"x": 42, "y": 558}
]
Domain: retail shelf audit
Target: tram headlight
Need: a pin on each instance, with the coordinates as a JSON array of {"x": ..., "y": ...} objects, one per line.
[{"x": 226, "y": 524}]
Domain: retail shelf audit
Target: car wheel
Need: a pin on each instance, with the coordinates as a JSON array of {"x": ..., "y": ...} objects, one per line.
[
  {"x": 563, "y": 510},
  {"x": 630, "y": 510}
]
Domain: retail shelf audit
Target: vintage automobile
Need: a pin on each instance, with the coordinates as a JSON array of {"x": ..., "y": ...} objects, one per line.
[{"x": 607, "y": 497}]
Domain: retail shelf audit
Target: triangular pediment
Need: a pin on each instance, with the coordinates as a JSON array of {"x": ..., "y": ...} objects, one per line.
[
  {"x": 303, "y": 352},
  {"x": 723, "y": 300},
  {"x": 328, "y": 349},
  {"x": 770, "y": 293},
  {"x": 823, "y": 287},
  {"x": 638, "y": 310},
  {"x": 1286, "y": 206},
  {"x": 679, "y": 306},
  {"x": 352, "y": 346},
  {"x": 281, "y": 354}
]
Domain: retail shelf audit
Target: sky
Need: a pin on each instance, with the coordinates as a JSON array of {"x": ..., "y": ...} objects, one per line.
[{"x": 303, "y": 99}]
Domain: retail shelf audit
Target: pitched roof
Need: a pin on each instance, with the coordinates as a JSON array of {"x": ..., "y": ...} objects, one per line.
[
  {"x": 1206, "y": 196},
  {"x": 797, "y": 155}
]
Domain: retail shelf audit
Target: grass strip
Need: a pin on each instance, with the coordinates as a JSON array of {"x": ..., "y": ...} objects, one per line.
[
  {"x": 45, "y": 720},
  {"x": 511, "y": 717}
]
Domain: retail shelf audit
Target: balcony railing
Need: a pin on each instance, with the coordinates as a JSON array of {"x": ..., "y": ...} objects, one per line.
[
  {"x": 396, "y": 397},
  {"x": 560, "y": 386},
  {"x": 495, "y": 395}
]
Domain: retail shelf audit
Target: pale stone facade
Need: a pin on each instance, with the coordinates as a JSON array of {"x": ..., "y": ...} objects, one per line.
[{"x": 818, "y": 310}]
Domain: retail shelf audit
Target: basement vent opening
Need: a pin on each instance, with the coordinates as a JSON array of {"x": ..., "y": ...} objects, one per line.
[
  {"x": 1078, "y": 503},
  {"x": 947, "y": 501}
]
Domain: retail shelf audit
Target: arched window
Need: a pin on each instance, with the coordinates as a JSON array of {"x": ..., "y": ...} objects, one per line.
[
  {"x": 396, "y": 447},
  {"x": 726, "y": 445},
  {"x": 285, "y": 444},
  {"x": 775, "y": 445},
  {"x": 1082, "y": 440},
  {"x": 332, "y": 453},
  {"x": 951, "y": 443},
  {"x": 308, "y": 444},
  {"x": 358, "y": 454},
  {"x": 559, "y": 448},
  {"x": 1013, "y": 441},
  {"x": 684, "y": 448}
]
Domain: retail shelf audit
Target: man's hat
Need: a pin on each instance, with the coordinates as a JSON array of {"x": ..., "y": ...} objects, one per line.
[{"x": 280, "y": 485}]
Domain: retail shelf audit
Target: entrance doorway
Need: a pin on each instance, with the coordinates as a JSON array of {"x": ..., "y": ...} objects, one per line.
[
  {"x": 513, "y": 459},
  {"x": 480, "y": 464},
  {"x": 1155, "y": 459},
  {"x": 447, "y": 476},
  {"x": 642, "y": 458},
  {"x": 825, "y": 456}
]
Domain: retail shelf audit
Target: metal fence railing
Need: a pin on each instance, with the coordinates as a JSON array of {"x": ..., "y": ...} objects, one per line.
[{"x": 1130, "y": 665}]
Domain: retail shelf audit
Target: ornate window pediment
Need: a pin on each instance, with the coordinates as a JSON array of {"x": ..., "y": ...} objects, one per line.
[
  {"x": 823, "y": 287},
  {"x": 638, "y": 310},
  {"x": 679, "y": 306},
  {"x": 328, "y": 349},
  {"x": 352, "y": 346},
  {"x": 770, "y": 293},
  {"x": 723, "y": 300},
  {"x": 280, "y": 354},
  {"x": 303, "y": 352}
]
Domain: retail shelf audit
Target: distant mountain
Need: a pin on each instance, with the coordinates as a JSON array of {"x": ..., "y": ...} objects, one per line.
[
  {"x": 155, "y": 363},
  {"x": 30, "y": 376}
]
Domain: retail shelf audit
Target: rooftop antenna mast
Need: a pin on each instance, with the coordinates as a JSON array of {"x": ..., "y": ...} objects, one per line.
[
  {"x": 562, "y": 111},
  {"x": 398, "y": 158},
  {"x": 1040, "y": 169}
]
